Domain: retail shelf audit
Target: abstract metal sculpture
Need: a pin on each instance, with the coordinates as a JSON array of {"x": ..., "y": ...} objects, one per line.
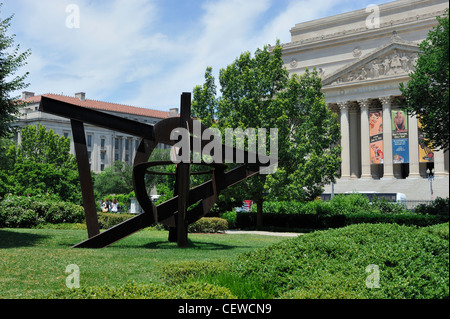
[{"x": 173, "y": 212}]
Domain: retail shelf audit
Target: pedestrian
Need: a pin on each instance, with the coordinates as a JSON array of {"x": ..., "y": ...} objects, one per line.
[
  {"x": 114, "y": 206},
  {"x": 106, "y": 206}
]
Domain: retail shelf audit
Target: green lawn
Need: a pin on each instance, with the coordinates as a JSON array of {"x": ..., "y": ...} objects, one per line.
[
  {"x": 362, "y": 261},
  {"x": 33, "y": 261}
]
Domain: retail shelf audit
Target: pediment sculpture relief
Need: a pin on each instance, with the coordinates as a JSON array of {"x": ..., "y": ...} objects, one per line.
[{"x": 391, "y": 64}]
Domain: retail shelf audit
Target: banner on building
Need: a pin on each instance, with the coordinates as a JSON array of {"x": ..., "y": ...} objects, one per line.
[
  {"x": 376, "y": 137},
  {"x": 400, "y": 145},
  {"x": 426, "y": 154}
]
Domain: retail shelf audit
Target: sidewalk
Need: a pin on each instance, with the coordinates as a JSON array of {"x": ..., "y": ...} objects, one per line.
[{"x": 266, "y": 233}]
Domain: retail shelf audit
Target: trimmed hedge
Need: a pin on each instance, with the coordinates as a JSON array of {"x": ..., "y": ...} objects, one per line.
[
  {"x": 315, "y": 221},
  {"x": 413, "y": 263},
  {"x": 341, "y": 211},
  {"x": 108, "y": 220},
  {"x": 20, "y": 211},
  {"x": 208, "y": 225},
  {"x": 193, "y": 290}
]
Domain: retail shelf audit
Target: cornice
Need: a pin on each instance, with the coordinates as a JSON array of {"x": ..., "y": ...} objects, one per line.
[{"x": 348, "y": 35}]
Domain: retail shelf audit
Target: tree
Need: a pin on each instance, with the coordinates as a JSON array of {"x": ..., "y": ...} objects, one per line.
[
  {"x": 427, "y": 93},
  {"x": 39, "y": 145},
  {"x": 10, "y": 61},
  {"x": 116, "y": 179},
  {"x": 257, "y": 92},
  {"x": 42, "y": 164}
]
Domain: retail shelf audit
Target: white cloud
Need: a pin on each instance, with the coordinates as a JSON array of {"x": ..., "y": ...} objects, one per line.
[{"x": 121, "y": 54}]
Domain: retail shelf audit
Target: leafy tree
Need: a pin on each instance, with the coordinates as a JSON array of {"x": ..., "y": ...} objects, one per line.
[
  {"x": 116, "y": 179},
  {"x": 257, "y": 92},
  {"x": 10, "y": 61},
  {"x": 427, "y": 93},
  {"x": 39, "y": 145},
  {"x": 42, "y": 164}
]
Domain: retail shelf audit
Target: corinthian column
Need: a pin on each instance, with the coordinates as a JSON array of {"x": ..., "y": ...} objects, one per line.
[
  {"x": 387, "y": 138},
  {"x": 345, "y": 140},
  {"x": 365, "y": 138},
  {"x": 413, "y": 147}
]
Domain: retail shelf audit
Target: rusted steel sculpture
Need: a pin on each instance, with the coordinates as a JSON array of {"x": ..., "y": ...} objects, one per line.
[{"x": 174, "y": 212}]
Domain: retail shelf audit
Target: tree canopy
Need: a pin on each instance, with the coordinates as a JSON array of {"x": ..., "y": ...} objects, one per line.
[
  {"x": 427, "y": 93},
  {"x": 41, "y": 164},
  {"x": 11, "y": 60},
  {"x": 257, "y": 92}
]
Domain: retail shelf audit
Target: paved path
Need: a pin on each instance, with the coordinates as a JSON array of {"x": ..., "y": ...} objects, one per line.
[{"x": 266, "y": 233}]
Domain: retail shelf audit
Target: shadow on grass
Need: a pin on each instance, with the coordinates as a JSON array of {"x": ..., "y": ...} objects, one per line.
[
  {"x": 166, "y": 245},
  {"x": 191, "y": 245},
  {"x": 13, "y": 239}
]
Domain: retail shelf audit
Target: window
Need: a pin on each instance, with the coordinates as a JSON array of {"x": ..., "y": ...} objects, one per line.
[
  {"x": 116, "y": 157},
  {"x": 116, "y": 143},
  {"x": 102, "y": 143},
  {"x": 102, "y": 167},
  {"x": 102, "y": 156},
  {"x": 127, "y": 144},
  {"x": 89, "y": 140}
]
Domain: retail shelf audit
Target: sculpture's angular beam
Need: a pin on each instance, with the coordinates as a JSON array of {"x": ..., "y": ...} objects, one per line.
[
  {"x": 84, "y": 172},
  {"x": 168, "y": 208},
  {"x": 97, "y": 118},
  {"x": 79, "y": 115}
]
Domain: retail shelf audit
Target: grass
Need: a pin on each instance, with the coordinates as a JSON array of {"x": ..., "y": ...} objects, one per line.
[
  {"x": 412, "y": 263},
  {"x": 33, "y": 261}
]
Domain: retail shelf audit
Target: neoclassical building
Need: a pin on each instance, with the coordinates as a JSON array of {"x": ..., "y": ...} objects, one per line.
[
  {"x": 104, "y": 146},
  {"x": 362, "y": 56}
]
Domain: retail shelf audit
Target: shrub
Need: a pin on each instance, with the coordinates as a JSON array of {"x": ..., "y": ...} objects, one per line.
[
  {"x": 230, "y": 217},
  {"x": 439, "y": 206},
  {"x": 15, "y": 217},
  {"x": 341, "y": 211},
  {"x": 193, "y": 290},
  {"x": 29, "y": 212},
  {"x": 108, "y": 220},
  {"x": 208, "y": 225},
  {"x": 413, "y": 263}
]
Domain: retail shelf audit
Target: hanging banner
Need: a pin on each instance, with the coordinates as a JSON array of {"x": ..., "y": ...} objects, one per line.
[
  {"x": 376, "y": 137},
  {"x": 400, "y": 145},
  {"x": 426, "y": 154}
]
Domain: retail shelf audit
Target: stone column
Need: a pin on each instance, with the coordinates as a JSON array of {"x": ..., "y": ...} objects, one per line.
[
  {"x": 413, "y": 142},
  {"x": 439, "y": 163},
  {"x": 365, "y": 138},
  {"x": 355, "y": 143},
  {"x": 387, "y": 138},
  {"x": 345, "y": 140}
]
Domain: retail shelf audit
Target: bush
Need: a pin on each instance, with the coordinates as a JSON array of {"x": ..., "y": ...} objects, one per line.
[
  {"x": 341, "y": 211},
  {"x": 193, "y": 290},
  {"x": 20, "y": 211},
  {"x": 413, "y": 263},
  {"x": 108, "y": 220},
  {"x": 230, "y": 217},
  {"x": 208, "y": 225},
  {"x": 15, "y": 217},
  {"x": 439, "y": 206}
]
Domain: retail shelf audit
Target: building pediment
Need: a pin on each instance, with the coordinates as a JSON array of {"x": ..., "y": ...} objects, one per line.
[{"x": 395, "y": 59}]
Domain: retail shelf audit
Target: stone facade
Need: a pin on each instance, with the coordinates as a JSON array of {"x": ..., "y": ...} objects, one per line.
[{"x": 362, "y": 56}]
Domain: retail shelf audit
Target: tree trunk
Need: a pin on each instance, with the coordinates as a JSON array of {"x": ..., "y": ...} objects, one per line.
[{"x": 259, "y": 213}]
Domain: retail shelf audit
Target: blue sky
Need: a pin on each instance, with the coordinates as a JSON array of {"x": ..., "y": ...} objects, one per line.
[{"x": 147, "y": 52}]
